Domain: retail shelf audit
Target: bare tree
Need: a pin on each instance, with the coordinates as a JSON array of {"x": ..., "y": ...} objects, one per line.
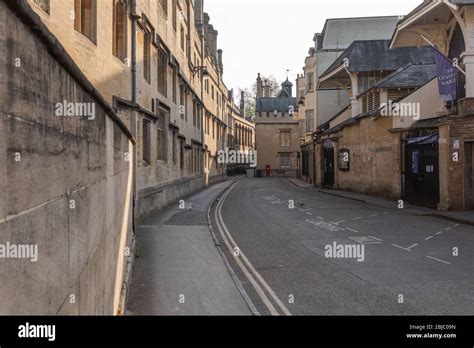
[{"x": 270, "y": 80}]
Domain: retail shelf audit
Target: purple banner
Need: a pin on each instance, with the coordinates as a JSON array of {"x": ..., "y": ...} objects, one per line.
[{"x": 447, "y": 77}]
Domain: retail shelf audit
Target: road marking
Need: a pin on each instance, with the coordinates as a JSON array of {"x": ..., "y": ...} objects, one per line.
[
  {"x": 440, "y": 232},
  {"x": 337, "y": 223},
  {"x": 434, "y": 258},
  {"x": 358, "y": 218},
  {"x": 413, "y": 246},
  {"x": 449, "y": 228},
  {"x": 305, "y": 210},
  {"x": 319, "y": 217},
  {"x": 400, "y": 247},
  {"x": 251, "y": 269},
  {"x": 309, "y": 213},
  {"x": 352, "y": 230},
  {"x": 430, "y": 237},
  {"x": 380, "y": 240},
  {"x": 374, "y": 215},
  {"x": 457, "y": 225},
  {"x": 323, "y": 207},
  {"x": 366, "y": 240}
]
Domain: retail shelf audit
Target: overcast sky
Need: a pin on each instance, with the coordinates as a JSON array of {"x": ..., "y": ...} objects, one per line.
[{"x": 271, "y": 36}]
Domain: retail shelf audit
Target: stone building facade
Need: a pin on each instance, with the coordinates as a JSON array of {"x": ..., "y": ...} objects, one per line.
[
  {"x": 158, "y": 64},
  {"x": 277, "y": 130}
]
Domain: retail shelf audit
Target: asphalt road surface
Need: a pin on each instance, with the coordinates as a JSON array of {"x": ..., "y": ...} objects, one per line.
[{"x": 411, "y": 264}]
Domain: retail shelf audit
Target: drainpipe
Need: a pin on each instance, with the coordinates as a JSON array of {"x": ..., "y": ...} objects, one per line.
[
  {"x": 133, "y": 17},
  {"x": 314, "y": 160},
  {"x": 203, "y": 119}
]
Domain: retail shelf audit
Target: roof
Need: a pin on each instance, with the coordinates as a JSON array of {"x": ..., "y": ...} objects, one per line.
[
  {"x": 376, "y": 55},
  {"x": 287, "y": 83},
  {"x": 339, "y": 33},
  {"x": 427, "y": 2},
  {"x": 409, "y": 76},
  {"x": 272, "y": 104}
]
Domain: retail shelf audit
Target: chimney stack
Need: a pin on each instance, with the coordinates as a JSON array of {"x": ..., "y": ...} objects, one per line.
[
  {"x": 219, "y": 61},
  {"x": 259, "y": 87},
  {"x": 242, "y": 104}
]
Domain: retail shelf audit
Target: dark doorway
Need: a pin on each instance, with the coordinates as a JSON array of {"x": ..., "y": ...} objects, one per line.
[
  {"x": 328, "y": 164},
  {"x": 422, "y": 171},
  {"x": 469, "y": 176}
]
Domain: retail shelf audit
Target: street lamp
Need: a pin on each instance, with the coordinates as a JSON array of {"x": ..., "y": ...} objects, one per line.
[{"x": 200, "y": 68}]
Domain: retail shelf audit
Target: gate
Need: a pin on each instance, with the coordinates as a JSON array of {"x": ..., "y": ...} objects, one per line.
[
  {"x": 422, "y": 170},
  {"x": 328, "y": 163}
]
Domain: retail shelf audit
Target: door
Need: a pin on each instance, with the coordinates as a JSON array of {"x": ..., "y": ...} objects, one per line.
[
  {"x": 469, "y": 176},
  {"x": 328, "y": 166},
  {"x": 422, "y": 174}
]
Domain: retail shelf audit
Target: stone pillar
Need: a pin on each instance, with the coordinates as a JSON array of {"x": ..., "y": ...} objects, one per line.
[{"x": 444, "y": 164}]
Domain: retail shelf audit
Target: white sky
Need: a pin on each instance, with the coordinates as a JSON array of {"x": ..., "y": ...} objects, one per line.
[{"x": 271, "y": 36}]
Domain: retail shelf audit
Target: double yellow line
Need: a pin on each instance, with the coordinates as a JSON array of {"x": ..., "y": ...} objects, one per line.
[{"x": 259, "y": 284}]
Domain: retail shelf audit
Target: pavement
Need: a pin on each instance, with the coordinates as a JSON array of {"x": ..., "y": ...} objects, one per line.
[
  {"x": 179, "y": 269},
  {"x": 413, "y": 264},
  {"x": 465, "y": 217}
]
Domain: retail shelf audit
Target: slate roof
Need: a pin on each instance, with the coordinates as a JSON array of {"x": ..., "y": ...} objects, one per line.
[
  {"x": 376, "y": 55},
  {"x": 409, "y": 76},
  {"x": 272, "y": 104},
  {"x": 463, "y": 2}
]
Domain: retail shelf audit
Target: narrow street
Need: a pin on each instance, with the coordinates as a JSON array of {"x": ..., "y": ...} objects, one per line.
[{"x": 278, "y": 253}]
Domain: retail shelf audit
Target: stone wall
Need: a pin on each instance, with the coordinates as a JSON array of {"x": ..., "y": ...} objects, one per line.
[
  {"x": 374, "y": 162},
  {"x": 66, "y": 182},
  {"x": 461, "y": 129}
]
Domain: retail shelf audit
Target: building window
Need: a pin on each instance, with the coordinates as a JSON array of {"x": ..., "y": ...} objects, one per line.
[
  {"x": 120, "y": 30},
  {"x": 175, "y": 82},
  {"x": 175, "y": 150},
  {"x": 161, "y": 134},
  {"x": 147, "y": 56},
  {"x": 164, "y": 5},
  {"x": 85, "y": 18},
  {"x": 212, "y": 93},
  {"x": 175, "y": 14},
  {"x": 43, "y": 4},
  {"x": 285, "y": 161},
  {"x": 310, "y": 82},
  {"x": 182, "y": 101},
  {"x": 213, "y": 129},
  {"x": 309, "y": 121},
  {"x": 194, "y": 113},
  {"x": 163, "y": 72},
  {"x": 146, "y": 142},
  {"x": 181, "y": 155},
  {"x": 182, "y": 38},
  {"x": 285, "y": 138}
]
